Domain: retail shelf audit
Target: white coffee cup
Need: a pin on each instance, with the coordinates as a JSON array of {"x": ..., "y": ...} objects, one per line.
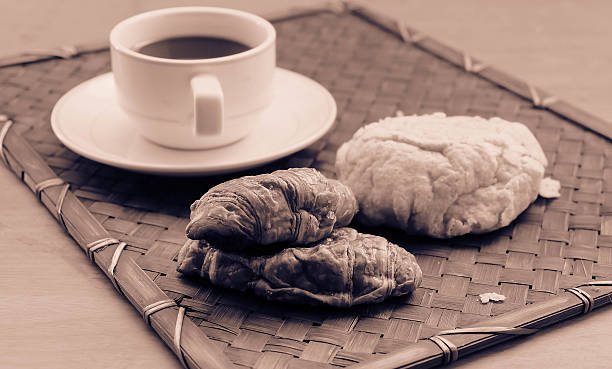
[{"x": 194, "y": 103}]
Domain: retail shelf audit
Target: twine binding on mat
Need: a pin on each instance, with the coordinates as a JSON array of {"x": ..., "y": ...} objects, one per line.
[
  {"x": 178, "y": 328},
  {"x": 587, "y": 300},
  {"x": 94, "y": 246},
  {"x": 51, "y": 182},
  {"x": 539, "y": 102},
  {"x": 113, "y": 265},
  {"x": 155, "y": 307},
  {"x": 470, "y": 66},
  {"x": 406, "y": 35},
  {"x": 5, "y": 128},
  {"x": 60, "y": 203},
  {"x": 585, "y": 297},
  {"x": 450, "y": 352}
]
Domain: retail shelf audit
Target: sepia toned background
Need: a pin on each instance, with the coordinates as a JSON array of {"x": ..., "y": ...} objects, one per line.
[{"x": 81, "y": 322}]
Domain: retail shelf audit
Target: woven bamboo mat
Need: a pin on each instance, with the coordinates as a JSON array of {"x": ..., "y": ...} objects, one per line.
[{"x": 372, "y": 72}]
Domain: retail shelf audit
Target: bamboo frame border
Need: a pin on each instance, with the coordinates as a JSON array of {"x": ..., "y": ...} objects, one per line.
[
  {"x": 540, "y": 98},
  {"x": 198, "y": 350},
  {"x": 134, "y": 283}
]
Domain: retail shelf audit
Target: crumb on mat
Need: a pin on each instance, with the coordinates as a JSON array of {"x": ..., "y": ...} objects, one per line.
[
  {"x": 491, "y": 296},
  {"x": 549, "y": 188}
]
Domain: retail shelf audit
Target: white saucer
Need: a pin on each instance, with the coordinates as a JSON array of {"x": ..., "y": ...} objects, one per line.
[{"x": 88, "y": 121}]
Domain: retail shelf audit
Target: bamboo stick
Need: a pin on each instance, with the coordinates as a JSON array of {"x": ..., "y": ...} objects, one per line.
[
  {"x": 134, "y": 283},
  {"x": 426, "y": 354},
  {"x": 539, "y": 97}
]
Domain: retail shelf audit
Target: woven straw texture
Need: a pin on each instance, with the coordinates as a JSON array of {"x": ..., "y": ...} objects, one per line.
[{"x": 371, "y": 73}]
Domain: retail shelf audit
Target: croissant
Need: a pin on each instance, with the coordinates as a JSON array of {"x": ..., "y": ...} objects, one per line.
[
  {"x": 295, "y": 206},
  {"x": 347, "y": 268}
]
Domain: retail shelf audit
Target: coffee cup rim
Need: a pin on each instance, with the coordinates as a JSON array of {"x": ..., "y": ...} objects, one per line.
[{"x": 120, "y": 47}]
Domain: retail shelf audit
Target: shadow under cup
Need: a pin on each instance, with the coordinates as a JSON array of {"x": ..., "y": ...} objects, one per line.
[{"x": 158, "y": 92}]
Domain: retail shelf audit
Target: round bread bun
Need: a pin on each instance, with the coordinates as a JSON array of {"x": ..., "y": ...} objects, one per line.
[{"x": 442, "y": 176}]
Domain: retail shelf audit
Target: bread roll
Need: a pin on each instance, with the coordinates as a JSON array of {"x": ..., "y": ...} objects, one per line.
[{"x": 442, "y": 176}]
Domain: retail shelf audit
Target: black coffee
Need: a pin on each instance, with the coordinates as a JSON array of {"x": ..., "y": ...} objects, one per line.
[{"x": 192, "y": 47}]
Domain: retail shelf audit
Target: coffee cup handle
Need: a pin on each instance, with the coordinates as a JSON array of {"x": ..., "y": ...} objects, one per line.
[{"x": 207, "y": 105}]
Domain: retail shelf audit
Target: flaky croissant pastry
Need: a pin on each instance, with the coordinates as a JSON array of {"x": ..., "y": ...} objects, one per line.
[
  {"x": 347, "y": 268},
  {"x": 297, "y": 206}
]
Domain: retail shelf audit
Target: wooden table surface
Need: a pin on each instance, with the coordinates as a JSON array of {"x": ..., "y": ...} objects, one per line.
[{"x": 59, "y": 311}]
